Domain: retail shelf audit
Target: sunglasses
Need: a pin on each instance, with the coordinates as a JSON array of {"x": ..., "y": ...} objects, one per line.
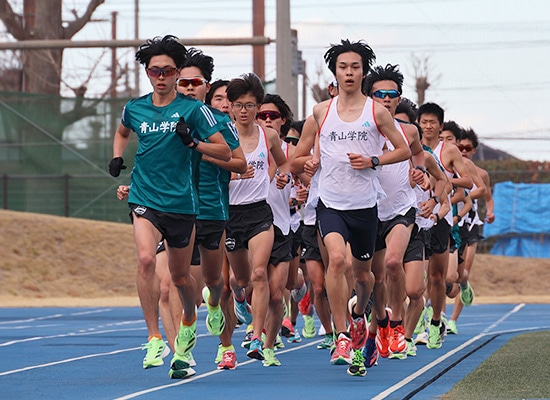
[
  {"x": 291, "y": 140},
  {"x": 263, "y": 115},
  {"x": 155, "y": 72},
  {"x": 381, "y": 94},
  {"x": 184, "y": 82},
  {"x": 466, "y": 147}
]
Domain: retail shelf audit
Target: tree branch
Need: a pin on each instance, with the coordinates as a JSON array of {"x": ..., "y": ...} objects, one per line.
[
  {"x": 76, "y": 25},
  {"x": 13, "y": 22}
]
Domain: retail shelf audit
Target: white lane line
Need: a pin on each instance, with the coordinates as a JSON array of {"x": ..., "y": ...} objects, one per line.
[
  {"x": 20, "y": 321},
  {"x": 410, "y": 378},
  {"x": 205, "y": 375},
  {"x": 67, "y": 360}
]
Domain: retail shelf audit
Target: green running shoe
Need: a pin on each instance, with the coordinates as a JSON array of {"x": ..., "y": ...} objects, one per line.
[
  {"x": 436, "y": 336},
  {"x": 186, "y": 339},
  {"x": 411, "y": 349},
  {"x": 421, "y": 324},
  {"x": 327, "y": 343},
  {"x": 467, "y": 295},
  {"x": 357, "y": 367},
  {"x": 156, "y": 351},
  {"x": 180, "y": 368},
  {"x": 451, "y": 327},
  {"x": 269, "y": 359},
  {"x": 215, "y": 321},
  {"x": 309, "y": 327}
]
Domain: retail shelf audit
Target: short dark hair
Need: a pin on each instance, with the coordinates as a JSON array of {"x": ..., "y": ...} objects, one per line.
[
  {"x": 298, "y": 126},
  {"x": 432, "y": 108},
  {"x": 407, "y": 106},
  {"x": 454, "y": 128},
  {"x": 213, "y": 87},
  {"x": 387, "y": 73},
  {"x": 248, "y": 83},
  {"x": 168, "y": 45},
  {"x": 283, "y": 108},
  {"x": 196, "y": 58},
  {"x": 470, "y": 135},
  {"x": 362, "y": 48}
]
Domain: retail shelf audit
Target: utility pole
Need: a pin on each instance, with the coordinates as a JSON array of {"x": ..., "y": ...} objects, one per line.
[
  {"x": 136, "y": 37},
  {"x": 286, "y": 83},
  {"x": 113, "y": 56},
  {"x": 258, "y": 51}
]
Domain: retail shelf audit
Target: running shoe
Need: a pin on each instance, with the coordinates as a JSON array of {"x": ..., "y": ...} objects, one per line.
[
  {"x": 287, "y": 328},
  {"x": 421, "y": 324},
  {"x": 156, "y": 351},
  {"x": 189, "y": 359},
  {"x": 298, "y": 294},
  {"x": 248, "y": 337},
  {"x": 467, "y": 295},
  {"x": 451, "y": 327},
  {"x": 327, "y": 342},
  {"x": 269, "y": 359},
  {"x": 422, "y": 338},
  {"x": 370, "y": 353},
  {"x": 255, "y": 349},
  {"x": 437, "y": 334},
  {"x": 186, "y": 339},
  {"x": 295, "y": 338},
  {"x": 215, "y": 321},
  {"x": 322, "y": 331},
  {"x": 383, "y": 341},
  {"x": 308, "y": 330},
  {"x": 398, "y": 345},
  {"x": 219, "y": 354},
  {"x": 357, "y": 367},
  {"x": 357, "y": 327},
  {"x": 243, "y": 311},
  {"x": 229, "y": 359},
  {"x": 179, "y": 368},
  {"x": 342, "y": 351},
  {"x": 304, "y": 305},
  {"x": 278, "y": 344},
  {"x": 411, "y": 349}
]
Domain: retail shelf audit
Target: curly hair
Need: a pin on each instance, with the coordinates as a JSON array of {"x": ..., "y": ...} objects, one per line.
[
  {"x": 362, "y": 48},
  {"x": 168, "y": 45},
  {"x": 387, "y": 73},
  {"x": 196, "y": 58}
]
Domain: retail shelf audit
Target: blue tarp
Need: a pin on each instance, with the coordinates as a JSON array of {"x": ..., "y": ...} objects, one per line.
[{"x": 522, "y": 220}]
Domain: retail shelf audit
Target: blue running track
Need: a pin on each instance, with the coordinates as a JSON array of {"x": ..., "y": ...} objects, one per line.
[{"x": 95, "y": 353}]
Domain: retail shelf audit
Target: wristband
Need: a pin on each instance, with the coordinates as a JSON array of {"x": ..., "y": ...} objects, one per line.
[
  {"x": 238, "y": 177},
  {"x": 421, "y": 168}
]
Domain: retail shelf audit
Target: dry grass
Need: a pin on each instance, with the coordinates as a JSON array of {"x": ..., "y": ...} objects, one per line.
[{"x": 52, "y": 261}]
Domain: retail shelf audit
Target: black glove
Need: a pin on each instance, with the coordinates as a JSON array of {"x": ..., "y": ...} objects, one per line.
[
  {"x": 183, "y": 131},
  {"x": 116, "y": 165}
]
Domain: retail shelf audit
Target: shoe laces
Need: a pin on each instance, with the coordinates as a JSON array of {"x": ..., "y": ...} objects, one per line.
[{"x": 228, "y": 356}]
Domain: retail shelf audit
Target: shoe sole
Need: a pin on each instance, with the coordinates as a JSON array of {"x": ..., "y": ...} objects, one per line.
[
  {"x": 340, "y": 361},
  {"x": 182, "y": 373},
  {"x": 358, "y": 373},
  {"x": 397, "y": 356},
  {"x": 255, "y": 354}
]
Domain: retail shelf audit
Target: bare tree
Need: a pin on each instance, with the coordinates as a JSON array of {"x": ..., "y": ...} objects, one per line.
[
  {"x": 319, "y": 89},
  {"x": 42, "y": 20},
  {"x": 422, "y": 79}
]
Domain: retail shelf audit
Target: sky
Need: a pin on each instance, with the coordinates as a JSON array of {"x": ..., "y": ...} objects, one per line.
[{"x": 487, "y": 59}]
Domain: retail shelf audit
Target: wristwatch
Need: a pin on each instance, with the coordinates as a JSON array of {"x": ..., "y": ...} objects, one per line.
[
  {"x": 375, "y": 162},
  {"x": 195, "y": 144},
  {"x": 436, "y": 199}
]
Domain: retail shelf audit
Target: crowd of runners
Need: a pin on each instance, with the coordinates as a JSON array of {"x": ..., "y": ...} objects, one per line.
[{"x": 365, "y": 212}]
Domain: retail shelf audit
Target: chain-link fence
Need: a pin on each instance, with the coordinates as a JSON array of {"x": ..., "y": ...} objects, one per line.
[{"x": 54, "y": 154}]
